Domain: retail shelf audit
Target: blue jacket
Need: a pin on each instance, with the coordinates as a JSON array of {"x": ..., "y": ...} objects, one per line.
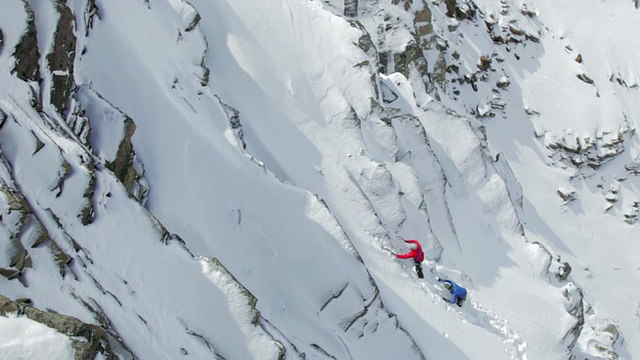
[{"x": 457, "y": 291}]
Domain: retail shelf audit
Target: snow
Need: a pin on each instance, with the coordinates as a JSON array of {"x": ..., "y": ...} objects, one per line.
[
  {"x": 288, "y": 241},
  {"x": 22, "y": 338}
]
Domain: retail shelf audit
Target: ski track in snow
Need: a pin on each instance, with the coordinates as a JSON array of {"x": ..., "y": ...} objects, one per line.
[{"x": 473, "y": 312}]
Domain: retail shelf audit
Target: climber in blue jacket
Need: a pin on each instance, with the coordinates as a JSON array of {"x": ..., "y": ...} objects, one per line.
[{"x": 458, "y": 293}]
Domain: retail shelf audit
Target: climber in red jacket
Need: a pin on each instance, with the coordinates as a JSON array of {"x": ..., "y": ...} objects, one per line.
[{"x": 416, "y": 254}]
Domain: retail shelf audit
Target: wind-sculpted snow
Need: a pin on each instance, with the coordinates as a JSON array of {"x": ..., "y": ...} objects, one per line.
[
  {"x": 231, "y": 180},
  {"x": 100, "y": 273},
  {"x": 357, "y": 311},
  {"x": 367, "y": 185},
  {"x": 463, "y": 160},
  {"x": 147, "y": 314}
]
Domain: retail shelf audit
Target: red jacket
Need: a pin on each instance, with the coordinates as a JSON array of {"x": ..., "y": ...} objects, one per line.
[{"x": 417, "y": 254}]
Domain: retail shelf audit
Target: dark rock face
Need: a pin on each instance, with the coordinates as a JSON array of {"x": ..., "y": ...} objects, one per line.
[
  {"x": 194, "y": 22},
  {"x": 451, "y": 7},
  {"x": 350, "y": 8},
  {"x": 90, "y": 115},
  {"x": 122, "y": 166},
  {"x": 60, "y": 59},
  {"x": 26, "y": 52},
  {"x": 576, "y": 308},
  {"x": 7, "y": 306},
  {"x": 14, "y": 217},
  {"x": 91, "y": 11},
  {"x": 564, "y": 271}
]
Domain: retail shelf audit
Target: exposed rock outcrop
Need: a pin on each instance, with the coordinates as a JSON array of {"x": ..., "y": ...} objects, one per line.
[
  {"x": 107, "y": 131},
  {"x": 233, "y": 116},
  {"x": 451, "y": 7},
  {"x": 351, "y": 8},
  {"x": 13, "y": 218},
  {"x": 23, "y": 231},
  {"x": 90, "y": 13},
  {"x": 26, "y": 53},
  {"x": 60, "y": 59},
  {"x": 88, "y": 341},
  {"x": 575, "y": 307},
  {"x": 593, "y": 152},
  {"x": 122, "y": 165},
  {"x": 461, "y": 9}
]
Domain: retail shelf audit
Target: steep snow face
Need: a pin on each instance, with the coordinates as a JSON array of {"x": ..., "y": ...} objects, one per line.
[
  {"x": 590, "y": 74},
  {"x": 282, "y": 153},
  {"x": 297, "y": 260},
  {"x": 42, "y": 342},
  {"x": 321, "y": 126},
  {"x": 575, "y": 91}
]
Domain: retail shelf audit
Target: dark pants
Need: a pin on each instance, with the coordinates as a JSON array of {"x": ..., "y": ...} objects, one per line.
[{"x": 419, "y": 270}]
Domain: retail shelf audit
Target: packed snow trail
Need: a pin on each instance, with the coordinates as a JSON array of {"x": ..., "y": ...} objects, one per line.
[{"x": 471, "y": 310}]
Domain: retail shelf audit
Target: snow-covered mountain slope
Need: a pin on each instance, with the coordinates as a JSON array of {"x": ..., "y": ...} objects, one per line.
[{"x": 229, "y": 179}]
